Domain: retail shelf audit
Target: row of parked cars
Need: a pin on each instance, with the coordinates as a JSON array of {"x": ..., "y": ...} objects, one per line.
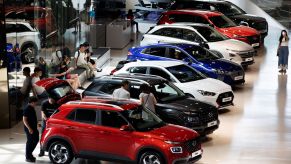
[{"x": 190, "y": 68}]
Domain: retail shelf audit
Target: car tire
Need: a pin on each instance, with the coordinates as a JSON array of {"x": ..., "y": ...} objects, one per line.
[
  {"x": 60, "y": 153},
  {"x": 150, "y": 157},
  {"x": 28, "y": 53}
]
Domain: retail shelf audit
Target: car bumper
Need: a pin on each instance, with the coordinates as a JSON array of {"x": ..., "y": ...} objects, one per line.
[
  {"x": 187, "y": 160},
  {"x": 205, "y": 129}
]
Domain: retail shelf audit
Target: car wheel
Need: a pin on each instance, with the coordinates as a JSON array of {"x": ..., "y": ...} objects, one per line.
[
  {"x": 150, "y": 157},
  {"x": 28, "y": 53},
  {"x": 60, "y": 153}
]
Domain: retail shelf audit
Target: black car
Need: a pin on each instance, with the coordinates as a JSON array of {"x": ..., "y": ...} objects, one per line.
[
  {"x": 174, "y": 106},
  {"x": 229, "y": 9}
]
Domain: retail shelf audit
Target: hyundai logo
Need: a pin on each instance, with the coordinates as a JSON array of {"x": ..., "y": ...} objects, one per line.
[{"x": 210, "y": 115}]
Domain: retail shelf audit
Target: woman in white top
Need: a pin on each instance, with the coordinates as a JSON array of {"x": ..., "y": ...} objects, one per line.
[
  {"x": 147, "y": 99},
  {"x": 283, "y": 51}
]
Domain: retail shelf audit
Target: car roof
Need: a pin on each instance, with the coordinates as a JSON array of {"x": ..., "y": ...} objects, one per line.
[
  {"x": 139, "y": 78},
  {"x": 206, "y": 1},
  {"x": 199, "y": 12},
  {"x": 155, "y": 63},
  {"x": 96, "y": 103}
]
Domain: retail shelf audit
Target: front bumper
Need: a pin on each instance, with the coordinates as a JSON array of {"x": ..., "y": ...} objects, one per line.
[
  {"x": 187, "y": 160},
  {"x": 205, "y": 129}
]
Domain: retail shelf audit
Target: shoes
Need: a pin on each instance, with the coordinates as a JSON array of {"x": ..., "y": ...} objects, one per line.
[
  {"x": 99, "y": 69},
  {"x": 284, "y": 71},
  {"x": 281, "y": 71},
  {"x": 31, "y": 160},
  {"x": 41, "y": 154}
]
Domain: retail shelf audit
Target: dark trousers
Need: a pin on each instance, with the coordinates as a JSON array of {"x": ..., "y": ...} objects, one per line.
[
  {"x": 32, "y": 141},
  {"x": 43, "y": 125}
]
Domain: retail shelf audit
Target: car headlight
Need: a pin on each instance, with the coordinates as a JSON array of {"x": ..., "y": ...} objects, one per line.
[
  {"x": 175, "y": 150},
  {"x": 231, "y": 53},
  {"x": 206, "y": 93}
]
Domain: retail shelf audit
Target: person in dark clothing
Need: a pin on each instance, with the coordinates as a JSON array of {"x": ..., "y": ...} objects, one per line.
[
  {"x": 48, "y": 107},
  {"x": 130, "y": 16},
  {"x": 30, "y": 128}
]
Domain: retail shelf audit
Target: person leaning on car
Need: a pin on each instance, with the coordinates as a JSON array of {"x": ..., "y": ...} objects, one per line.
[
  {"x": 122, "y": 92},
  {"x": 30, "y": 128},
  {"x": 38, "y": 91},
  {"x": 48, "y": 107}
]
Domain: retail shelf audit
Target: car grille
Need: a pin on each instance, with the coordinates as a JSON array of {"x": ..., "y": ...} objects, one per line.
[
  {"x": 247, "y": 54},
  {"x": 225, "y": 95},
  {"x": 193, "y": 145},
  {"x": 208, "y": 116},
  {"x": 254, "y": 39},
  {"x": 259, "y": 25}
]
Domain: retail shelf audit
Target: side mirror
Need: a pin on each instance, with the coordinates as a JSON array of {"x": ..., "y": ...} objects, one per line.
[{"x": 127, "y": 128}]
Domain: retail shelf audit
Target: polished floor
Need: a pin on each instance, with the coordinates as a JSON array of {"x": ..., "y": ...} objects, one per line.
[{"x": 257, "y": 130}]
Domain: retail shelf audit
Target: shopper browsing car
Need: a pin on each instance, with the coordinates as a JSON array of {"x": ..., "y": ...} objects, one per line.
[
  {"x": 283, "y": 51},
  {"x": 146, "y": 98},
  {"x": 48, "y": 107},
  {"x": 122, "y": 92},
  {"x": 30, "y": 128}
]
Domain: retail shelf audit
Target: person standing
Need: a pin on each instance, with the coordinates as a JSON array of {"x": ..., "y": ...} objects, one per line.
[
  {"x": 130, "y": 16},
  {"x": 48, "y": 107},
  {"x": 147, "y": 99},
  {"x": 30, "y": 128},
  {"x": 283, "y": 52},
  {"x": 38, "y": 91},
  {"x": 122, "y": 92}
]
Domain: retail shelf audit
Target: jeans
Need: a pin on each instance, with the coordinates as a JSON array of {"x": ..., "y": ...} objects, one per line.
[{"x": 32, "y": 141}]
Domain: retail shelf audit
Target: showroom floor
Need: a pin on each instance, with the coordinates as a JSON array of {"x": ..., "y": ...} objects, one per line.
[{"x": 256, "y": 130}]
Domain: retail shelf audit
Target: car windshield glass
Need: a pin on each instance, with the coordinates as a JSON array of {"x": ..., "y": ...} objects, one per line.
[
  {"x": 60, "y": 91},
  {"x": 201, "y": 54},
  {"x": 210, "y": 34},
  {"x": 167, "y": 92},
  {"x": 222, "y": 21},
  {"x": 229, "y": 9},
  {"x": 142, "y": 119},
  {"x": 185, "y": 73}
]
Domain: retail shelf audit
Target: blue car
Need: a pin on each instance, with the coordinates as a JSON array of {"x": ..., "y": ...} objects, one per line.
[{"x": 199, "y": 58}]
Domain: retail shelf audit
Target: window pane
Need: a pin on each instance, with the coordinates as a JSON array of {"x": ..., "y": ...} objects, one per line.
[
  {"x": 112, "y": 119},
  {"x": 159, "y": 72},
  {"x": 86, "y": 116},
  {"x": 160, "y": 51},
  {"x": 141, "y": 70}
]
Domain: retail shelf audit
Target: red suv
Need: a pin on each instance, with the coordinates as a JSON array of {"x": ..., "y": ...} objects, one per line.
[
  {"x": 116, "y": 130},
  {"x": 217, "y": 20}
]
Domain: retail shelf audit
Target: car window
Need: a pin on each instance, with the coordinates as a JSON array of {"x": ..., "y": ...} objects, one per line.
[
  {"x": 112, "y": 119},
  {"x": 85, "y": 116},
  {"x": 10, "y": 28},
  {"x": 185, "y": 73},
  {"x": 141, "y": 70},
  {"x": 170, "y": 32},
  {"x": 199, "y": 19},
  {"x": 159, "y": 72},
  {"x": 134, "y": 90},
  {"x": 222, "y": 21},
  {"x": 191, "y": 36},
  {"x": 22, "y": 28},
  {"x": 210, "y": 34},
  {"x": 178, "y": 55},
  {"x": 156, "y": 51},
  {"x": 60, "y": 91},
  {"x": 229, "y": 9},
  {"x": 181, "y": 18},
  {"x": 201, "y": 54},
  {"x": 167, "y": 91},
  {"x": 109, "y": 87}
]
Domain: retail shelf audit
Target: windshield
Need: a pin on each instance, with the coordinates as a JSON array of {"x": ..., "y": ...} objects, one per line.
[
  {"x": 167, "y": 91},
  {"x": 61, "y": 91},
  {"x": 222, "y": 21},
  {"x": 209, "y": 34},
  {"x": 185, "y": 73},
  {"x": 229, "y": 9},
  {"x": 201, "y": 54},
  {"x": 142, "y": 119}
]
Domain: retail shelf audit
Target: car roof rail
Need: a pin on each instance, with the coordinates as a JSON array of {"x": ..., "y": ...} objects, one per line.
[{"x": 93, "y": 103}]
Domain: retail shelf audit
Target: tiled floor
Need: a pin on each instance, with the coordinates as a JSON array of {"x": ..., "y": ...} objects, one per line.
[{"x": 256, "y": 130}]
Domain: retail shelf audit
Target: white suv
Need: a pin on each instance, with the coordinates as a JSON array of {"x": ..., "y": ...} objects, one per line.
[
  {"x": 186, "y": 78},
  {"x": 234, "y": 50},
  {"x": 28, "y": 38}
]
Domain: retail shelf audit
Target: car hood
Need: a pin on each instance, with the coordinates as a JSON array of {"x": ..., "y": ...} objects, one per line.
[
  {"x": 222, "y": 64},
  {"x": 239, "y": 30},
  {"x": 173, "y": 133},
  {"x": 248, "y": 17},
  {"x": 231, "y": 44},
  {"x": 186, "y": 104},
  {"x": 208, "y": 84}
]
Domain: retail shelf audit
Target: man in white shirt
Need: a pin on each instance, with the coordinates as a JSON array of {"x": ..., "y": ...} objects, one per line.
[
  {"x": 122, "y": 92},
  {"x": 38, "y": 91},
  {"x": 80, "y": 60}
]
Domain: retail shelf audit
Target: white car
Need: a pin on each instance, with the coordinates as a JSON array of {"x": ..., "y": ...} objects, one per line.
[
  {"x": 28, "y": 38},
  {"x": 186, "y": 78},
  {"x": 204, "y": 35}
]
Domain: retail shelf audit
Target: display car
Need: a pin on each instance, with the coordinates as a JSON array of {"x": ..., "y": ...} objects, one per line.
[
  {"x": 23, "y": 33},
  {"x": 197, "y": 57},
  {"x": 174, "y": 106},
  {"x": 116, "y": 131},
  {"x": 186, "y": 78},
  {"x": 231, "y": 49},
  {"x": 229, "y": 9},
  {"x": 217, "y": 20}
]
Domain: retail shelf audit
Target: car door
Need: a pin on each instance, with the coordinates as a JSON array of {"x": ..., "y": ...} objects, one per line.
[
  {"x": 82, "y": 130},
  {"x": 115, "y": 143}
]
